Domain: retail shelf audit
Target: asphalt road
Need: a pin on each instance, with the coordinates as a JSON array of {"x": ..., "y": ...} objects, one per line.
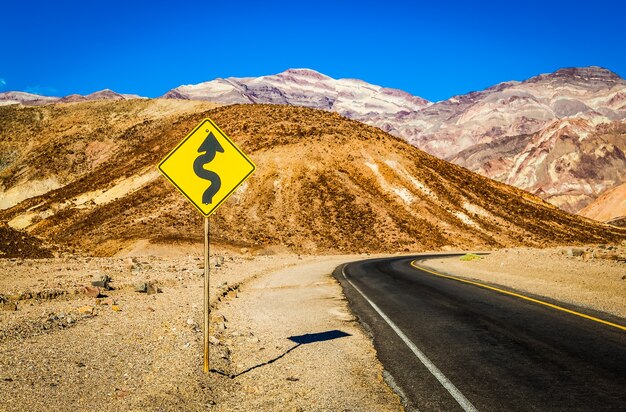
[{"x": 453, "y": 346}]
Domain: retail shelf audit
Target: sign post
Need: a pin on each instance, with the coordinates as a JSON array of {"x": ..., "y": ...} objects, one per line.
[
  {"x": 206, "y": 167},
  {"x": 207, "y": 307}
]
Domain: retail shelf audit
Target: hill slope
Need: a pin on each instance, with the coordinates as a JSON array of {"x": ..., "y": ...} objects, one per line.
[
  {"x": 323, "y": 184},
  {"x": 610, "y": 205}
]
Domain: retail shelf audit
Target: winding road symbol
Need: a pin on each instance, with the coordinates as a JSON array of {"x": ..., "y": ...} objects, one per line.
[
  {"x": 207, "y": 167},
  {"x": 208, "y": 149}
]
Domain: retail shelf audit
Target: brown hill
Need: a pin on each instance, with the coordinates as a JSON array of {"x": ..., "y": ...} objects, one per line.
[
  {"x": 323, "y": 184},
  {"x": 610, "y": 206}
]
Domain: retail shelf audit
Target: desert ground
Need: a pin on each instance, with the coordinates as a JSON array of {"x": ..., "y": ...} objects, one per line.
[
  {"x": 128, "y": 350},
  {"x": 282, "y": 334}
]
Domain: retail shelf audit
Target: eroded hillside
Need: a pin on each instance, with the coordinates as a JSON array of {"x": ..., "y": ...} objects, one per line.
[{"x": 323, "y": 184}]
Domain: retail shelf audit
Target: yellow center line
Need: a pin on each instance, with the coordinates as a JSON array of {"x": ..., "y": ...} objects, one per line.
[{"x": 517, "y": 295}]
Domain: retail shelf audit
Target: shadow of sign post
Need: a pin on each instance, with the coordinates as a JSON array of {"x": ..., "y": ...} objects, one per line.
[
  {"x": 318, "y": 337},
  {"x": 299, "y": 340}
]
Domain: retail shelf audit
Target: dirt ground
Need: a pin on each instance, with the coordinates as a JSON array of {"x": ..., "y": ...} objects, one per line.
[
  {"x": 591, "y": 277},
  {"x": 282, "y": 336}
]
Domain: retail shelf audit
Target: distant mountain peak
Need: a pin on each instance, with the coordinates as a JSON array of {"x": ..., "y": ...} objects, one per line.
[
  {"x": 305, "y": 73},
  {"x": 352, "y": 98},
  {"x": 594, "y": 76}
]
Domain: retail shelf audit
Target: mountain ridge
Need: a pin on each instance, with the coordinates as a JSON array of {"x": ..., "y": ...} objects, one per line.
[{"x": 526, "y": 112}]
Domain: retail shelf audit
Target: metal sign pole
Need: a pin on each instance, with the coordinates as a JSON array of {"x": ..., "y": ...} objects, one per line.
[{"x": 207, "y": 307}]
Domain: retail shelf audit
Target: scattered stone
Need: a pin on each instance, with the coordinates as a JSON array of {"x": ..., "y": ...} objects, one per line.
[
  {"x": 575, "y": 252},
  {"x": 218, "y": 317},
  {"x": 147, "y": 287},
  {"x": 70, "y": 320},
  {"x": 233, "y": 294},
  {"x": 92, "y": 292},
  {"x": 85, "y": 310},
  {"x": 292, "y": 379},
  {"x": 219, "y": 261},
  {"x": 9, "y": 306},
  {"x": 213, "y": 340},
  {"x": 116, "y": 308},
  {"x": 243, "y": 250},
  {"x": 152, "y": 289},
  {"x": 102, "y": 283},
  {"x": 587, "y": 256}
]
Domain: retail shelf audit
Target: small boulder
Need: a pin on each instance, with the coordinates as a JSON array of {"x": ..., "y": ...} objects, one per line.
[
  {"x": 102, "y": 283},
  {"x": 213, "y": 340},
  {"x": 9, "y": 306},
  {"x": 219, "y": 261},
  {"x": 85, "y": 310},
  {"x": 152, "y": 289},
  {"x": 92, "y": 292}
]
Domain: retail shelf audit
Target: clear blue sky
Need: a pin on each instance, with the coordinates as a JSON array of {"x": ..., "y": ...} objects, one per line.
[{"x": 433, "y": 50}]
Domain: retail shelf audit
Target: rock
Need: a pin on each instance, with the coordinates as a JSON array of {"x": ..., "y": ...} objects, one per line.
[
  {"x": 9, "y": 306},
  {"x": 218, "y": 317},
  {"x": 213, "y": 340},
  {"x": 243, "y": 250},
  {"x": 233, "y": 294},
  {"x": 253, "y": 339},
  {"x": 85, "y": 310},
  {"x": 219, "y": 261},
  {"x": 141, "y": 287},
  {"x": 102, "y": 283},
  {"x": 575, "y": 252},
  {"x": 70, "y": 320},
  {"x": 152, "y": 289},
  {"x": 116, "y": 308},
  {"x": 221, "y": 326},
  {"x": 92, "y": 292}
]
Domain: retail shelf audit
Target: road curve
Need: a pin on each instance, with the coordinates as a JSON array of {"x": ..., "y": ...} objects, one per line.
[{"x": 450, "y": 345}]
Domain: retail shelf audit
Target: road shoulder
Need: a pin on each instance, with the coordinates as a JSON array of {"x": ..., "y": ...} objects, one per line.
[
  {"x": 596, "y": 284},
  {"x": 293, "y": 345}
]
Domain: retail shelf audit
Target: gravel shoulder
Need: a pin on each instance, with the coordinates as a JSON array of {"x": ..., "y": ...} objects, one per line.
[
  {"x": 593, "y": 279},
  {"x": 138, "y": 352}
]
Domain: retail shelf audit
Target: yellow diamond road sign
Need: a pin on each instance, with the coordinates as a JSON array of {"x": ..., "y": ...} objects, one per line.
[{"x": 206, "y": 167}]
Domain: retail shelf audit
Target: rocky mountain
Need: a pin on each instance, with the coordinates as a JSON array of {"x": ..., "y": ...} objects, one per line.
[
  {"x": 29, "y": 99},
  {"x": 515, "y": 108},
  {"x": 540, "y": 134},
  {"x": 7, "y": 98},
  {"x": 83, "y": 177},
  {"x": 352, "y": 98},
  {"x": 568, "y": 163}
]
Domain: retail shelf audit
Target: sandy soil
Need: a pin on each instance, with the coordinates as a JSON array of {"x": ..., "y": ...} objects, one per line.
[
  {"x": 594, "y": 279},
  {"x": 132, "y": 351}
]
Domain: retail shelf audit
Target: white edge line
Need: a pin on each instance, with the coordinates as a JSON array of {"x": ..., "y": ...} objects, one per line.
[{"x": 445, "y": 382}]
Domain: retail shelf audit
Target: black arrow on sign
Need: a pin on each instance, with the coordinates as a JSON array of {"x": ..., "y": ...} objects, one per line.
[{"x": 209, "y": 148}]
